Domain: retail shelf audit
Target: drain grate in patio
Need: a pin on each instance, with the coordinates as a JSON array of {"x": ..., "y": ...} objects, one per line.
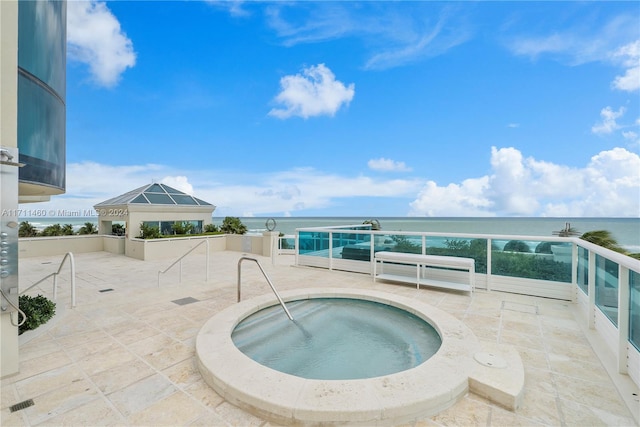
[
  {"x": 22, "y": 405},
  {"x": 522, "y": 308},
  {"x": 185, "y": 301}
]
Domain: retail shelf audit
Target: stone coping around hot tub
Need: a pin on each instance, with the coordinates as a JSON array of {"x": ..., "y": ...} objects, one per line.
[{"x": 419, "y": 392}]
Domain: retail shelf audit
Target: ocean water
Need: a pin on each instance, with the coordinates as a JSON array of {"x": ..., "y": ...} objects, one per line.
[{"x": 625, "y": 230}]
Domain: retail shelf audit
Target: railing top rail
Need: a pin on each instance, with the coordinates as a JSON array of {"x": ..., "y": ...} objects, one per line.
[{"x": 439, "y": 234}]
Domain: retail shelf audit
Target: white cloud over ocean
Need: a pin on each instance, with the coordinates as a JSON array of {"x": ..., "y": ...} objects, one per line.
[{"x": 608, "y": 186}]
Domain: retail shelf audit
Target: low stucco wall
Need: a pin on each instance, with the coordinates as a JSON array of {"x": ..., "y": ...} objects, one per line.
[
  {"x": 153, "y": 249},
  {"x": 141, "y": 249},
  {"x": 60, "y": 245}
]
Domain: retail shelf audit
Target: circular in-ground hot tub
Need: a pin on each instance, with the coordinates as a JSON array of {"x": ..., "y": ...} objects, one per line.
[{"x": 420, "y": 391}]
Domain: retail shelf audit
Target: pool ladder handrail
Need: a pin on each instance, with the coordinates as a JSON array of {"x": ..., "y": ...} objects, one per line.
[
  {"x": 246, "y": 258},
  {"x": 179, "y": 260},
  {"x": 72, "y": 266}
]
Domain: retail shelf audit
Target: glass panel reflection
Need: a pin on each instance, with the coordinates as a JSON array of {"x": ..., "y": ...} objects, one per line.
[
  {"x": 634, "y": 309},
  {"x": 607, "y": 288},
  {"x": 532, "y": 259},
  {"x": 583, "y": 270}
]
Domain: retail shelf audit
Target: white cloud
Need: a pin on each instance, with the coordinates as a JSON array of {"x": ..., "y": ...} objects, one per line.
[
  {"x": 387, "y": 165},
  {"x": 237, "y": 194},
  {"x": 301, "y": 189},
  {"x": 94, "y": 37},
  {"x": 614, "y": 42},
  {"x": 393, "y": 36},
  {"x": 608, "y": 124},
  {"x": 466, "y": 199},
  {"x": 609, "y": 185},
  {"x": 629, "y": 57},
  {"x": 180, "y": 183},
  {"x": 234, "y": 7},
  {"x": 631, "y": 136},
  {"x": 315, "y": 92}
]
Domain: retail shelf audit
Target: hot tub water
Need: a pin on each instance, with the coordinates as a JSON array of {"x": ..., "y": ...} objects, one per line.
[{"x": 337, "y": 338}]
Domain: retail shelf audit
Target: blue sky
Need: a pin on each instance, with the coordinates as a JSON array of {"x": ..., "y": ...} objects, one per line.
[{"x": 358, "y": 108}]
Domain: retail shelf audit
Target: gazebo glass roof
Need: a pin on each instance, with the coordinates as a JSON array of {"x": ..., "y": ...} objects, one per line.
[{"x": 155, "y": 194}]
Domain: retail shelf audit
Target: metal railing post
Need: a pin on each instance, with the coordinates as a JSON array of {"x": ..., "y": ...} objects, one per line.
[{"x": 72, "y": 264}]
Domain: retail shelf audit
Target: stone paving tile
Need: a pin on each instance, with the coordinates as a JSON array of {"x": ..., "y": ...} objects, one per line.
[
  {"x": 576, "y": 414},
  {"x": 184, "y": 373},
  {"x": 60, "y": 400},
  {"x": 98, "y": 412},
  {"x": 205, "y": 394},
  {"x": 121, "y": 376},
  {"x": 141, "y": 394},
  {"x": 50, "y": 380},
  {"x": 31, "y": 367},
  {"x": 127, "y": 357},
  {"x": 176, "y": 409},
  {"x": 467, "y": 412}
]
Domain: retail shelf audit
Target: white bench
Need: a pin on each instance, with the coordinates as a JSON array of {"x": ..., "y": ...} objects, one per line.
[{"x": 420, "y": 261}]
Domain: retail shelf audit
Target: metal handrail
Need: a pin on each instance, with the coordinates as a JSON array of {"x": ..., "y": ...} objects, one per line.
[
  {"x": 284, "y": 307},
  {"x": 179, "y": 260},
  {"x": 72, "y": 265}
]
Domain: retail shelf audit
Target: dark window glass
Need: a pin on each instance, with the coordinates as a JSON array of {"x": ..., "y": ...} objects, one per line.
[
  {"x": 202, "y": 202},
  {"x": 155, "y": 188},
  {"x": 161, "y": 199},
  {"x": 42, "y": 42},
  {"x": 41, "y": 134},
  {"x": 140, "y": 199},
  {"x": 183, "y": 200}
]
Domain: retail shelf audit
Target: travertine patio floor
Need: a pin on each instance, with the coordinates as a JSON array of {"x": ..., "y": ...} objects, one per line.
[{"x": 126, "y": 356}]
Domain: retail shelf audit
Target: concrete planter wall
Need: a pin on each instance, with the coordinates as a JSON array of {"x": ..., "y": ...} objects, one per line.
[{"x": 151, "y": 249}]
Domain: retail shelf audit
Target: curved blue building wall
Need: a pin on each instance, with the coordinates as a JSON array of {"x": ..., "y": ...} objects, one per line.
[{"x": 42, "y": 32}]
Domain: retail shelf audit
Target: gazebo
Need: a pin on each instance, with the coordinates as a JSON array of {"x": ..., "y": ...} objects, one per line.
[{"x": 155, "y": 205}]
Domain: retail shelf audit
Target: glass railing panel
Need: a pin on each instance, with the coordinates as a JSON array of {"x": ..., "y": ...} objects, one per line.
[
  {"x": 460, "y": 247},
  {"x": 583, "y": 270},
  {"x": 314, "y": 243},
  {"x": 399, "y": 243},
  {"x": 634, "y": 309},
  {"x": 353, "y": 246},
  {"x": 532, "y": 259},
  {"x": 287, "y": 242},
  {"x": 607, "y": 288}
]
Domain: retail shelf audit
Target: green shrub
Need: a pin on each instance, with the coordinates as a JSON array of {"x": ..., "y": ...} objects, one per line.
[
  {"x": 544, "y": 248},
  {"x": 516, "y": 246},
  {"x": 210, "y": 228},
  {"x": 88, "y": 228},
  {"x": 179, "y": 227},
  {"x": 149, "y": 231},
  {"x": 233, "y": 225},
  {"x": 27, "y": 230},
  {"x": 117, "y": 229},
  {"x": 38, "y": 310}
]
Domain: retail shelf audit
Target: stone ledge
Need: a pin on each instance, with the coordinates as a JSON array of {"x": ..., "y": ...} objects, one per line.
[{"x": 498, "y": 375}]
